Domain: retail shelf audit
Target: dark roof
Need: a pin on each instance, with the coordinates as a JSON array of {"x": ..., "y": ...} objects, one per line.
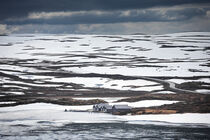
[
  {"x": 108, "y": 107},
  {"x": 102, "y": 105},
  {"x": 121, "y": 107}
]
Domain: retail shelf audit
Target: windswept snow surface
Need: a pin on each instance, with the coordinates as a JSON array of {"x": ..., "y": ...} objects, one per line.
[
  {"x": 33, "y": 113},
  {"x": 29, "y": 57}
]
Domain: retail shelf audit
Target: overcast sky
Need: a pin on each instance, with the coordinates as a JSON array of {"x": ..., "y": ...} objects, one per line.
[{"x": 104, "y": 16}]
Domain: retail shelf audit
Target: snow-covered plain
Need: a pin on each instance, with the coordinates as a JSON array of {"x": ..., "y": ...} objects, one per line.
[
  {"x": 111, "y": 84},
  {"x": 35, "y": 62},
  {"x": 179, "y": 54},
  {"x": 33, "y": 113},
  {"x": 41, "y": 63}
]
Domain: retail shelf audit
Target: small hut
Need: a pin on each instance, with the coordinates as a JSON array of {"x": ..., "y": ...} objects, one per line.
[
  {"x": 100, "y": 107},
  {"x": 107, "y": 109},
  {"x": 121, "y": 109},
  {"x": 115, "y": 109}
]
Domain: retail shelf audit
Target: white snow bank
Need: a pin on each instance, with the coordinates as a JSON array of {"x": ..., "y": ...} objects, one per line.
[
  {"x": 33, "y": 113},
  {"x": 14, "y": 92},
  {"x": 51, "y": 112},
  {"x": 44, "y": 106},
  {"x": 164, "y": 92},
  {"x": 204, "y": 91},
  {"x": 110, "y": 83},
  {"x": 7, "y": 102}
]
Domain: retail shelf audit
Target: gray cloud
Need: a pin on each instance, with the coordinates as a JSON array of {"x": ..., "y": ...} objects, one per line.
[
  {"x": 103, "y": 16},
  {"x": 119, "y": 28},
  {"x": 21, "y": 8},
  {"x": 4, "y": 29},
  {"x": 100, "y": 17}
]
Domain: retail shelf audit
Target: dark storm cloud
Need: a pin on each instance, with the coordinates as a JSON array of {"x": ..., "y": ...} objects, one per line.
[
  {"x": 21, "y": 8},
  {"x": 103, "y": 17},
  {"x": 98, "y": 16}
]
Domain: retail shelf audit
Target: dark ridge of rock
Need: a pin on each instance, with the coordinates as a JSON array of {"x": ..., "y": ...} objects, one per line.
[
  {"x": 207, "y": 65},
  {"x": 196, "y": 70},
  {"x": 194, "y": 85},
  {"x": 53, "y": 100},
  {"x": 173, "y": 46},
  {"x": 153, "y": 111},
  {"x": 7, "y": 44},
  {"x": 181, "y": 107},
  {"x": 173, "y": 97},
  {"x": 189, "y": 103}
]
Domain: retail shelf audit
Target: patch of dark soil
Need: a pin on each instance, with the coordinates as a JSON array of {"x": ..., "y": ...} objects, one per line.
[
  {"x": 122, "y": 40},
  {"x": 190, "y": 41},
  {"x": 32, "y": 48},
  {"x": 138, "y": 48},
  {"x": 106, "y": 49},
  {"x": 195, "y": 36},
  {"x": 164, "y": 43},
  {"x": 192, "y": 50},
  {"x": 173, "y": 97},
  {"x": 196, "y": 70},
  {"x": 71, "y": 37},
  {"x": 207, "y": 65},
  {"x": 138, "y": 34},
  {"x": 181, "y": 107},
  {"x": 194, "y": 85},
  {"x": 129, "y": 40},
  {"x": 8, "y": 44},
  {"x": 68, "y": 40},
  {"x": 106, "y": 36},
  {"x": 45, "y": 39},
  {"x": 206, "y": 48},
  {"x": 3, "y": 34},
  {"x": 184, "y": 78},
  {"x": 84, "y": 45},
  {"x": 190, "y": 103},
  {"x": 55, "y": 100},
  {"x": 155, "y": 66},
  {"x": 173, "y": 46}
]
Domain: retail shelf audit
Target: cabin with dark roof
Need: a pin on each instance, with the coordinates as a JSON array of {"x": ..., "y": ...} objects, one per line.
[
  {"x": 115, "y": 109},
  {"x": 107, "y": 108},
  {"x": 121, "y": 109},
  {"x": 103, "y": 107}
]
